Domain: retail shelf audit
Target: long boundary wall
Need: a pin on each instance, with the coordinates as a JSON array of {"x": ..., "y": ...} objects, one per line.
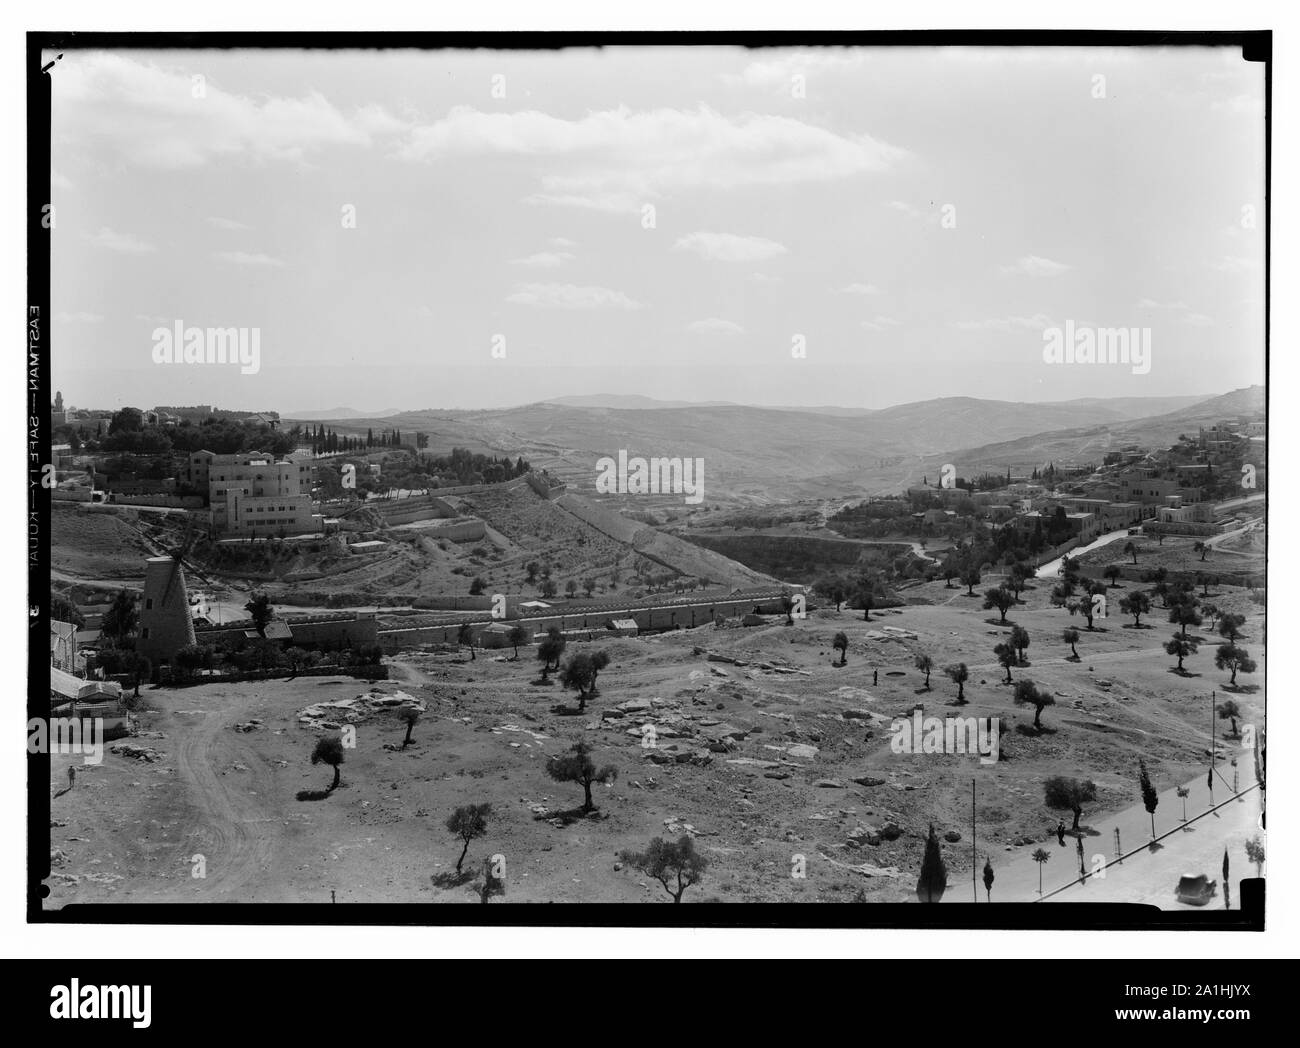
[{"x": 649, "y": 618}]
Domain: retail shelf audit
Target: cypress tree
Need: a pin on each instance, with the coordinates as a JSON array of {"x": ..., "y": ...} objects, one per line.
[
  {"x": 933, "y": 881},
  {"x": 1149, "y": 796}
]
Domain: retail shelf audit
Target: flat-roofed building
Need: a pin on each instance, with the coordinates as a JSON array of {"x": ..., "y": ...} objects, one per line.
[{"x": 256, "y": 495}]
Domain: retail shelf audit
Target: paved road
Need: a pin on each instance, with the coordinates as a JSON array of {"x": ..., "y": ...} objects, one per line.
[
  {"x": 1150, "y": 876},
  {"x": 1053, "y": 567},
  {"x": 1145, "y": 874}
]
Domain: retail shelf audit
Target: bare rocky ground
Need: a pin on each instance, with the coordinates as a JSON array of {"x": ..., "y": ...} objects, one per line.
[{"x": 764, "y": 750}]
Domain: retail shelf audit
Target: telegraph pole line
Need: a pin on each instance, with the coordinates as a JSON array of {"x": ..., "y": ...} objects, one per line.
[{"x": 1209, "y": 778}]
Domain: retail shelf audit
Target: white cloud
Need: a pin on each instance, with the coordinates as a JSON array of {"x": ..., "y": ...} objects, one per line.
[
  {"x": 715, "y": 326},
  {"x": 879, "y": 323},
  {"x": 378, "y": 121},
  {"x": 149, "y": 116},
  {"x": 124, "y": 243},
  {"x": 79, "y": 318},
  {"x": 1237, "y": 264},
  {"x": 621, "y": 158},
  {"x": 728, "y": 247},
  {"x": 1034, "y": 266},
  {"x": 779, "y": 72},
  {"x": 227, "y": 223},
  {"x": 1035, "y": 323},
  {"x": 1180, "y": 310},
  {"x": 59, "y": 180},
  {"x": 860, "y": 289},
  {"x": 544, "y": 259},
  {"x": 763, "y": 278},
  {"x": 562, "y": 243},
  {"x": 245, "y": 258},
  {"x": 570, "y": 296}
]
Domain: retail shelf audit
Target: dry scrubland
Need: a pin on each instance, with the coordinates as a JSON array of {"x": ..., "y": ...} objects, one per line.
[
  {"x": 759, "y": 760},
  {"x": 109, "y": 547},
  {"x": 1239, "y": 554}
]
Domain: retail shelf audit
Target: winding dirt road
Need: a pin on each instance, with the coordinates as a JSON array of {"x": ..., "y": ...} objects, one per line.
[{"x": 231, "y": 823}]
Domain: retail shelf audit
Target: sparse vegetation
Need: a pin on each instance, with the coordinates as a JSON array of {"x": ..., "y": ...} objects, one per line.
[
  {"x": 1181, "y": 646},
  {"x": 675, "y": 866},
  {"x": 329, "y": 750},
  {"x": 925, "y": 664},
  {"x": 1150, "y": 799},
  {"x": 1071, "y": 637},
  {"x": 518, "y": 635},
  {"x": 1062, "y": 793},
  {"x": 1136, "y": 604},
  {"x": 579, "y": 673},
  {"x": 1029, "y": 694},
  {"x": 122, "y": 617},
  {"x": 411, "y": 717},
  {"x": 1255, "y": 854},
  {"x": 1007, "y": 657},
  {"x": 1040, "y": 856},
  {"x": 1230, "y": 711},
  {"x": 550, "y": 650},
  {"x": 933, "y": 878},
  {"x": 959, "y": 674},
  {"x": 1000, "y": 598},
  {"x": 577, "y": 766},
  {"x": 260, "y": 611},
  {"x": 468, "y": 822},
  {"x": 1235, "y": 660}
]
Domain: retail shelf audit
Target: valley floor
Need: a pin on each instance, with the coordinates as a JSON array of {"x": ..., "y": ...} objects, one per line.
[{"x": 777, "y": 761}]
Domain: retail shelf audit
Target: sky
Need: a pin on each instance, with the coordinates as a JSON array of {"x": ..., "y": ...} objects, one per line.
[{"x": 480, "y": 229}]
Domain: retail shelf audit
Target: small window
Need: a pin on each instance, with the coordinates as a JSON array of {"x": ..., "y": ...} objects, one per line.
[{"x": 148, "y": 604}]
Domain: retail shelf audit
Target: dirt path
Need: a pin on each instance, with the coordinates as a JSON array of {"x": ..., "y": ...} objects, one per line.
[{"x": 231, "y": 825}]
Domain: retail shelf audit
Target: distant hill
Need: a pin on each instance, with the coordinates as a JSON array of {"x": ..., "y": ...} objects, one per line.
[
  {"x": 1139, "y": 407},
  {"x": 638, "y": 402},
  {"x": 631, "y": 401},
  {"x": 1090, "y": 443},
  {"x": 764, "y": 454},
  {"x": 338, "y": 414}
]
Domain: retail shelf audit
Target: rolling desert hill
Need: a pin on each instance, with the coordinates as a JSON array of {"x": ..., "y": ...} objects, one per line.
[
  {"x": 1090, "y": 443},
  {"x": 340, "y": 414},
  {"x": 814, "y": 452}
]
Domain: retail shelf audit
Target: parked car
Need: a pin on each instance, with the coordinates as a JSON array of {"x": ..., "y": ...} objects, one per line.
[{"x": 1195, "y": 889}]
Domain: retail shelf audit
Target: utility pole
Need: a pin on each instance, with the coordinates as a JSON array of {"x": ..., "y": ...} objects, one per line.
[
  {"x": 1209, "y": 779},
  {"x": 974, "y": 883}
]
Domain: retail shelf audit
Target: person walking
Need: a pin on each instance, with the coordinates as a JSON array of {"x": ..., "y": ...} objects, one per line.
[{"x": 1060, "y": 832}]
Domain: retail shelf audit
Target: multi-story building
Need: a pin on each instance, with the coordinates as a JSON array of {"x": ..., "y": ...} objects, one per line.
[
  {"x": 252, "y": 495},
  {"x": 1111, "y": 516},
  {"x": 1082, "y": 526},
  {"x": 1150, "y": 491}
]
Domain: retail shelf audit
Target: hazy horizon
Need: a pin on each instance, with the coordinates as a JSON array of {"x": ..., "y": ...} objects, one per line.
[{"x": 322, "y": 412}]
